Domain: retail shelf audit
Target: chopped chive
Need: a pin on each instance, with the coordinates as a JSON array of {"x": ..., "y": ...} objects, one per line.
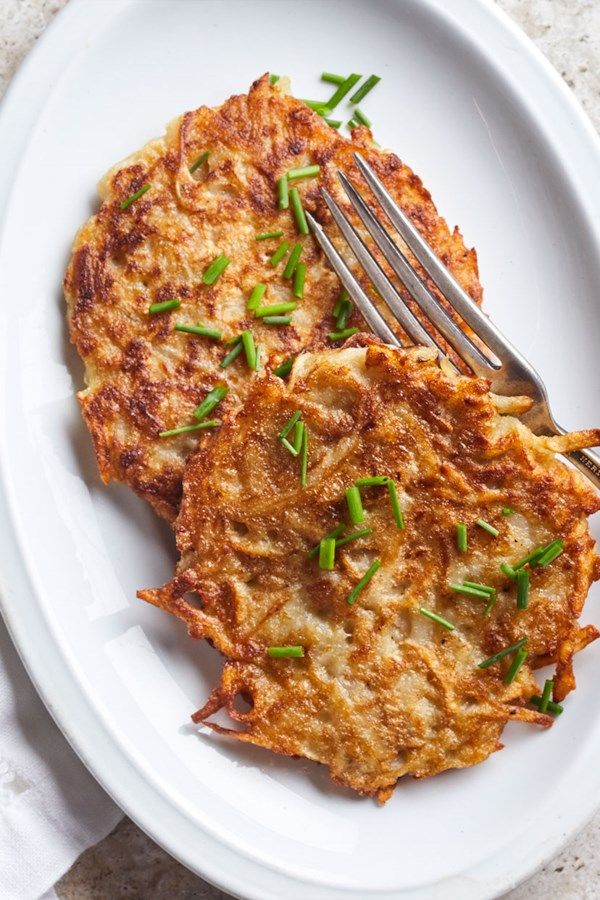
[
  {"x": 299, "y": 278},
  {"x": 258, "y": 353},
  {"x": 522, "y": 589},
  {"x": 341, "y": 335},
  {"x": 344, "y": 295},
  {"x": 295, "y": 417},
  {"x": 267, "y": 235},
  {"x": 258, "y": 292},
  {"x": 303, "y": 172},
  {"x": 285, "y": 652},
  {"x": 360, "y": 117},
  {"x": 351, "y": 598},
  {"x": 250, "y": 349},
  {"x": 355, "y": 507},
  {"x": 200, "y": 330},
  {"x": 491, "y": 603},
  {"x": 364, "y": 532},
  {"x": 397, "y": 512},
  {"x": 515, "y": 666},
  {"x": 546, "y": 694},
  {"x": 530, "y": 558},
  {"x": 334, "y": 533},
  {"x": 293, "y": 258},
  {"x": 198, "y": 162},
  {"x": 165, "y": 306},
  {"x": 216, "y": 268},
  {"x": 212, "y": 399},
  {"x": 276, "y": 320},
  {"x": 319, "y": 106},
  {"x": 131, "y": 199},
  {"x": 298, "y": 436},
  {"x": 507, "y": 511},
  {"x": 470, "y": 590},
  {"x": 352, "y": 124},
  {"x": 502, "y": 653},
  {"x": 488, "y": 589},
  {"x": 333, "y": 123},
  {"x": 279, "y": 253},
  {"x": 285, "y": 368},
  {"x": 554, "y": 708},
  {"x": 283, "y": 198},
  {"x": 508, "y": 571},
  {"x": 461, "y": 537},
  {"x": 237, "y": 339},
  {"x": 364, "y": 89},
  {"x": 550, "y": 553},
  {"x": 343, "y": 89},
  {"x": 233, "y": 354},
  {"x": 342, "y": 316},
  {"x": 273, "y": 79},
  {"x": 327, "y": 554},
  {"x": 304, "y": 458},
  {"x": 276, "y": 309},
  {"x": 289, "y": 447},
  {"x": 209, "y": 423},
  {"x": 487, "y": 527},
  {"x": 372, "y": 481},
  {"x": 332, "y": 78},
  {"x": 435, "y": 618},
  {"x": 297, "y": 209}
]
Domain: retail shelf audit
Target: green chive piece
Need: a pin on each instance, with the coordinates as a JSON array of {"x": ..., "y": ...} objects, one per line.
[
  {"x": 165, "y": 306},
  {"x": 546, "y": 694},
  {"x": 334, "y": 533},
  {"x": 198, "y": 162},
  {"x": 360, "y": 117},
  {"x": 304, "y": 458},
  {"x": 364, "y": 89},
  {"x": 295, "y": 417},
  {"x": 344, "y": 295},
  {"x": 488, "y": 589},
  {"x": 461, "y": 537},
  {"x": 469, "y": 590},
  {"x": 327, "y": 554},
  {"x": 435, "y": 618},
  {"x": 507, "y": 511},
  {"x": 279, "y": 253},
  {"x": 333, "y": 123},
  {"x": 372, "y": 481},
  {"x": 129, "y": 200},
  {"x": 530, "y": 558},
  {"x": 200, "y": 330},
  {"x": 332, "y": 78},
  {"x": 276, "y": 320},
  {"x": 520, "y": 657},
  {"x": 283, "y": 198},
  {"x": 209, "y": 423},
  {"x": 487, "y": 527},
  {"x": 232, "y": 355},
  {"x": 250, "y": 349},
  {"x": 212, "y": 399},
  {"x": 522, "y": 589},
  {"x": 364, "y": 532},
  {"x": 298, "y": 436},
  {"x": 397, "y": 512},
  {"x": 346, "y": 308},
  {"x": 508, "y": 570},
  {"x": 216, "y": 268},
  {"x": 285, "y": 652},
  {"x": 352, "y": 124},
  {"x": 299, "y": 278},
  {"x": 319, "y": 106},
  {"x": 502, "y": 653},
  {"x": 298, "y": 210},
  {"x": 285, "y": 368},
  {"x": 258, "y": 292},
  {"x": 355, "y": 507},
  {"x": 555, "y": 708},
  {"x": 358, "y": 587},
  {"x": 237, "y": 339},
  {"x": 343, "y": 89},
  {"x": 274, "y": 78},
  {"x": 267, "y": 235},
  {"x": 550, "y": 553},
  {"x": 276, "y": 309},
  {"x": 491, "y": 603},
  {"x": 289, "y": 447},
  {"x": 342, "y": 335},
  {"x": 293, "y": 258},
  {"x": 303, "y": 172}
]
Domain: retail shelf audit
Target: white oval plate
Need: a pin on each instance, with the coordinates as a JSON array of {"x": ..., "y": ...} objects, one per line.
[{"x": 471, "y": 105}]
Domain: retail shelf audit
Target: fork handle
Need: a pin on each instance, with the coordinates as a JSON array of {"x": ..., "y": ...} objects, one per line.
[{"x": 588, "y": 463}]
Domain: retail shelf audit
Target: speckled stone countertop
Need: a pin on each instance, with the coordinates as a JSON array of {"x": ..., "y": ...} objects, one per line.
[{"x": 129, "y": 864}]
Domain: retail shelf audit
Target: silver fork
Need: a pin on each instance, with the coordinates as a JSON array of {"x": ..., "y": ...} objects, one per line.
[{"x": 507, "y": 370}]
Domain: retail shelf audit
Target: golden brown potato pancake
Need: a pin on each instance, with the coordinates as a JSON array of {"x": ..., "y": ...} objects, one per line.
[
  {"x": 382, "y": 689},
  {"x": 143, "y": 377}
]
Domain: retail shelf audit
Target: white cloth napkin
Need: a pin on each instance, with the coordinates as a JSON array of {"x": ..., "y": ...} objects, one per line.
[{"x": 51, "y": 808}]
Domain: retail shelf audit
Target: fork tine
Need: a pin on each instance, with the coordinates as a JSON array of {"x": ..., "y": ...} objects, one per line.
[
  {"x": 429, "y": 304},
  {"x": 403, "y": 314},
  {"x": 448, "y": 286},
  {"x": 371, "y": 315}
]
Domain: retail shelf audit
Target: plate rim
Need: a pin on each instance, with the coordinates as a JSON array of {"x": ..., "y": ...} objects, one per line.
[{"x": 88, "y": 733}]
